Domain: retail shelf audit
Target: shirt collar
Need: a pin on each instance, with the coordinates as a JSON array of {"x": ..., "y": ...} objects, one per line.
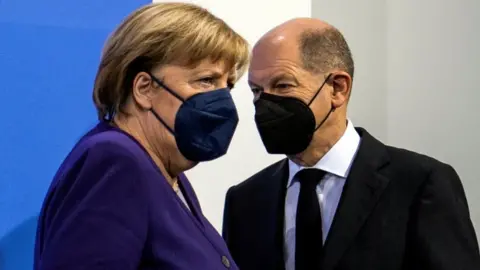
[{"x": 338, "y": 159}]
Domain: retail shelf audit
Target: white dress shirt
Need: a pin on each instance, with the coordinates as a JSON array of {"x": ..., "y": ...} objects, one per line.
[
  {"x": 336, "y": 163},
  {"x": 182, "y": 198}
]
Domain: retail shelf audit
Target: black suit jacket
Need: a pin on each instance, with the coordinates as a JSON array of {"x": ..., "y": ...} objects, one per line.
[{"x": 398, "y": 210}]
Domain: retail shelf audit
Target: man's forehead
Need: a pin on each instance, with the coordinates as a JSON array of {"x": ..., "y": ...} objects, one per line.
[
  {"x": 278, "y": 53},
  {"x": 272, "y": 74},
  {"x": 273, "y": 56},
  {"x": 268, "y": 66},
  {"x": 276, "y": 43}
]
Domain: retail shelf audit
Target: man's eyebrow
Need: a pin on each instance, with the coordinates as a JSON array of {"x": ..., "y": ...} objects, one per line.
[
  {"x": 284, "y": 76},
  {"x": 275, "y": 79}
]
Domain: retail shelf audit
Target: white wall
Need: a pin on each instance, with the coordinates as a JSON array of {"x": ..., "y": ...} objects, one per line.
[
  {"x": 417, "y": 77},
  {"x": 363, "y": 25},
  {"x": 247, "y": 155},
  {"x": 433, "y": 78}
]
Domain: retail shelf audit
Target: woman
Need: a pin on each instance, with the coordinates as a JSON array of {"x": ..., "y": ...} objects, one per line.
[{"x": 120, "y": 199}]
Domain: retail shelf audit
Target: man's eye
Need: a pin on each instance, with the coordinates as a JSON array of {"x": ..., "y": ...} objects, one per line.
[
  {"x": 255, "y": 90},
  {"x": 283, "y": 86}
]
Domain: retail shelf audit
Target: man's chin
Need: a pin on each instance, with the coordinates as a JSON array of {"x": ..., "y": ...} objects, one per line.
[{"x": 297, "y": 159}]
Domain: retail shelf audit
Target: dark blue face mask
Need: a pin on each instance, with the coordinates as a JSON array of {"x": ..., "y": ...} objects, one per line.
[{"x": 204, "y": 124}]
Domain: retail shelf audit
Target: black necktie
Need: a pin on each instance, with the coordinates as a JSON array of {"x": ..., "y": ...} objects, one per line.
[{"x": 308, "y": 231}]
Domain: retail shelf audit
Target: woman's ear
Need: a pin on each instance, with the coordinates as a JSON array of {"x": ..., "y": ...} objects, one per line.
[{"x": 142, "y": 90}]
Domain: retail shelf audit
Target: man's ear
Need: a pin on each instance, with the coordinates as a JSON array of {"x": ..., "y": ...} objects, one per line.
[
  {"x": 342, "y": 85},
  {"x": 142, "y": 90}
]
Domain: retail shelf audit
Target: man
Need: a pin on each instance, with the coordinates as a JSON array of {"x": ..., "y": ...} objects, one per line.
[{"x": 342, "y": 199}]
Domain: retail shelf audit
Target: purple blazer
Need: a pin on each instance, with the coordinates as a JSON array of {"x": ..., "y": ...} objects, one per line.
[{"x": 110, "y": 207}]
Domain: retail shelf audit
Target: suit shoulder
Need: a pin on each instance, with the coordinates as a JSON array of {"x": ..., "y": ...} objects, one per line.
[
  {"x": 414, "y": 161},
  {"x": 106, "y": 149},
  {"x": 261, "y": 178},
  {"x": 112, "y": 144},
  {"x": 102, "y": 160}
]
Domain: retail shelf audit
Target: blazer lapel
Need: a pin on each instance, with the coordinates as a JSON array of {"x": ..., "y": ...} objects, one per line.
[
  {"x": 272, "y": 212},
  {"x": 362, "y": 190}
]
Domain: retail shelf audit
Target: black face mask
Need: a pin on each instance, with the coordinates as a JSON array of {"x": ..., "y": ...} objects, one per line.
[{"x": 286, "y": 124}]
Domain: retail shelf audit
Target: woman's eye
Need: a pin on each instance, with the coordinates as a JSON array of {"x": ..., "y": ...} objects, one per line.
[{"x": 208, "y": 81}]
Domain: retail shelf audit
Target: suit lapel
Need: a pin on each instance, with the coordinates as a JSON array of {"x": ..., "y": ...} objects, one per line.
[
  {"x": 362, "y": 190},
  {"x": 272, "y": 213}
]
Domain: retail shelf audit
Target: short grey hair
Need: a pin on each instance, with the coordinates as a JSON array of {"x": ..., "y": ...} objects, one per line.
[{"x": 322, "y": 50}]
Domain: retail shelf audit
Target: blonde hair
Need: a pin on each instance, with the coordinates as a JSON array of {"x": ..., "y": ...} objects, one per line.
[{"x": 159, "y": 34}]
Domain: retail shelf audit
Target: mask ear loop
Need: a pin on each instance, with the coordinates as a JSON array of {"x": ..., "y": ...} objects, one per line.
[
  {"x": 332, "y": 109},
  {"x": 161, "y": 120},
  {"x": 319, "y": 89},
  {"x": 166, "y": 87},
  {"x": 326, "y": 117},
  {"x": 161, "y": 84}
]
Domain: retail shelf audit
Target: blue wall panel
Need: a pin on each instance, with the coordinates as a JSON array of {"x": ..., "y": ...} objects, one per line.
[{"x": 49, "y": 52}]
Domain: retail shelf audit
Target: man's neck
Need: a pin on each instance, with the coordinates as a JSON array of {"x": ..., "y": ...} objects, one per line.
[{"x": 323, "y": 140}]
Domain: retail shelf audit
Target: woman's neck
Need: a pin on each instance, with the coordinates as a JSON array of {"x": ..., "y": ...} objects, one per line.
[{"x": 134, "y": 129}]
